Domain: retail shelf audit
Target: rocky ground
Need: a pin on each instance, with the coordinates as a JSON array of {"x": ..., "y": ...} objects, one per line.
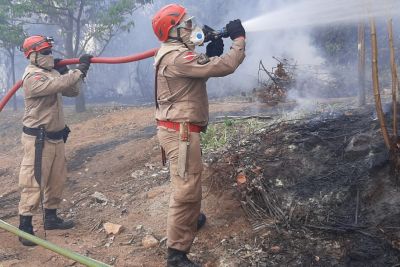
[{"x": 282, "y": 189}]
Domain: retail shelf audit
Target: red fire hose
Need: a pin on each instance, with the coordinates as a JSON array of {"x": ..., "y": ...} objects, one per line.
[{"x": 106, "y": 60}]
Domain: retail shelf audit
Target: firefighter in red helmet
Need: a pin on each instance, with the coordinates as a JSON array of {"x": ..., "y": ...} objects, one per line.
[
  {"x": 182, "y": 113},
  {"x": 43, "y": 168}
]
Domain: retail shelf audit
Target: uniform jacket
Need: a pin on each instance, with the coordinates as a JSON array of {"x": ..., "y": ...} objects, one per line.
[
  {"x": 43, "y": 96},
  {"x": 181, "y": 80}
]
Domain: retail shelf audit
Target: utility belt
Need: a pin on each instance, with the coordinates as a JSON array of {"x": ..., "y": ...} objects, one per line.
[
  {"x": 41, "y": 135},
  {"x": 177, "y": 126},
  {"x": 183, "y": 128},
  {"x": 41, "y": 132}
]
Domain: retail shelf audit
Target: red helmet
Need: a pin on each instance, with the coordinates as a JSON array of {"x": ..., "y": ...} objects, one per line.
[
  {"x": 166, "y": 18},
  {"x": 36, "y": 43}
]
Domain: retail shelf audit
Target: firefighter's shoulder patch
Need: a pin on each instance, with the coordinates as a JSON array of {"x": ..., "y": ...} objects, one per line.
[
  {"x": 189, "y": 56},
  {"x": 39, "y": 77}
]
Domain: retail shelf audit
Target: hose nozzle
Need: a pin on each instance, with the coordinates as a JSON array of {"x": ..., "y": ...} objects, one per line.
[{"x": 211, "y": 34}]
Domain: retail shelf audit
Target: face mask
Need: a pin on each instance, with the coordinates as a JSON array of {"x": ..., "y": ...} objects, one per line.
[
  {"x": 42, "y": 61},
  {"x": 185, "y": 36},
  {"x": 197, "y": 36},
  {"x": 191, "y": 33}
]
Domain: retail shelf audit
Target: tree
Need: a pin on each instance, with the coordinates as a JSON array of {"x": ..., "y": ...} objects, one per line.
[
  {"x": 11, "y": 36},
  {"x": 84, "y": 25}
]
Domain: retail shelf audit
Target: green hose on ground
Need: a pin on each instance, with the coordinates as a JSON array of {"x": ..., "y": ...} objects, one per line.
[{"x": 62, "y": 251}]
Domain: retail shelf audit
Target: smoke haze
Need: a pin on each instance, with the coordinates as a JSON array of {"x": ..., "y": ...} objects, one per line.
[{"x": 274, "y": 28}]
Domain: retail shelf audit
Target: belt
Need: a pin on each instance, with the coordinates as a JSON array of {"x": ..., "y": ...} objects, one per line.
[
  {"x": 176, "y": 126},
  {"x": 50, "y": 135}
]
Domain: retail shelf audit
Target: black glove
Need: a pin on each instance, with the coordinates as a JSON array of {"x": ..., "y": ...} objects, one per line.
[
  {"x": 84, "y": 65},
  {"x": 61, "y": 69},
  {"x": 235, "y": 29},
  {"x": 215, "y": 48}
]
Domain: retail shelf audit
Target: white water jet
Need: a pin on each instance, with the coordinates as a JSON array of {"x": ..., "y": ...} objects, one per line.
[{"x": 308, "y": 13}]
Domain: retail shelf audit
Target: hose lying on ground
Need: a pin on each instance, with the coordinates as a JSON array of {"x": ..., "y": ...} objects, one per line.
[
  {"x": 46, "y": 244},
  {"x": 105, "y": 60}
]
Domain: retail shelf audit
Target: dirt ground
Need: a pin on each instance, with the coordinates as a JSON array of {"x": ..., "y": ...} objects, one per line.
[
  {"x": 304, "y": 188},
  {"x": 114, "y": 151}
]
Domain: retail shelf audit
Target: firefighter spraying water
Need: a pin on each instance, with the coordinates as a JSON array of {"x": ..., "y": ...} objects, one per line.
[{"x": 208, "y": 33}]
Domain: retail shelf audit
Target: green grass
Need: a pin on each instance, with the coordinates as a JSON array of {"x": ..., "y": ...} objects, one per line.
[{"x": 222, "y": 133}]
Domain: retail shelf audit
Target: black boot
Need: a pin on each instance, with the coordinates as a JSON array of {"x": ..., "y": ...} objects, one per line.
[
  {"x": 25, "y": 224},
  {"x": 201, "y": 221},
  {"x": 178, "y": 258},
  {"x": 52, "y": 222}
]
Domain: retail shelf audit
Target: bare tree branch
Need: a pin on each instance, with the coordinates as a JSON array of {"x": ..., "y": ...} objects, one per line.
[
  {"x": 78, "y": 26},
  {"x": 111, "y": 35}
]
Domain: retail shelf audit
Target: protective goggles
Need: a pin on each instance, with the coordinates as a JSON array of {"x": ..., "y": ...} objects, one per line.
[
  {"x": 46, "y": 52},
  {"x": 188, "y": 24}
]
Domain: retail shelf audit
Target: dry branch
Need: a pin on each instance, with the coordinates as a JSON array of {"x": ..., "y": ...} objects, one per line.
[{"x": 375, "y": 78}]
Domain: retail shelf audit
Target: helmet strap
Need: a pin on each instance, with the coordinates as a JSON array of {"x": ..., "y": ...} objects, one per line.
[
  {"x": 178, "y": 38},
  {"x": 178, "y": 31},
  {"x": 36, "y": 56}
]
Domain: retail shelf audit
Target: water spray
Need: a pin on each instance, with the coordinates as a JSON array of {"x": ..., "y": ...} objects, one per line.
[{"x": 311, "y": 13}]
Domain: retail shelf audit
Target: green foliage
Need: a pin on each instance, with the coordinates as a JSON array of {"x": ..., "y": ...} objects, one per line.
[
  {"x": 220, "y": 134},
  {"x": 80, "y": 21},
  {"x": 11, "y": 31},
  {"x": 82, "y": 24}
]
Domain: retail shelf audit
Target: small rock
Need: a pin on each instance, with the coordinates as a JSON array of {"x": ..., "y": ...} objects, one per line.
[
  {"x": 164, "y": 239},
  {"x": 149, "y": 241},
  {"x": 139, "y": 227},
  {"x": 150, "y": 166},
  {"x": 99, "y": 197},
  {"x": 241, "y": 178},
  {"x": 112, "y": 228}
]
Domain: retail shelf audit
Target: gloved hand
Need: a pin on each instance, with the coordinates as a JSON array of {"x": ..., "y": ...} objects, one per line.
[
  {"x": 84, "y": 65},
  {"x": 61, "y": 69},
  {"x": 235, "y": 29},
  {"x": 215, "y": 48}
]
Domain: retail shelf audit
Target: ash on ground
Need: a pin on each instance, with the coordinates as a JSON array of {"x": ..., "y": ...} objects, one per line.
[{"x": 318, "y": 191}]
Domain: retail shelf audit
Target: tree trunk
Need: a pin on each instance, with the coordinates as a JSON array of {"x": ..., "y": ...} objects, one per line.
[
  {"x": 80, "y": 105},
  {"x": 375, "y": 79},
  {"x": 361, "y": 64}
]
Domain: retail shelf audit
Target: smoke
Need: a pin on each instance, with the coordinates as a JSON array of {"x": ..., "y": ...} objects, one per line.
[
  {"x": 274, "y": 28},
  {"x": 287, "y": 43},
  {"x": 281, "y": 28}
]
